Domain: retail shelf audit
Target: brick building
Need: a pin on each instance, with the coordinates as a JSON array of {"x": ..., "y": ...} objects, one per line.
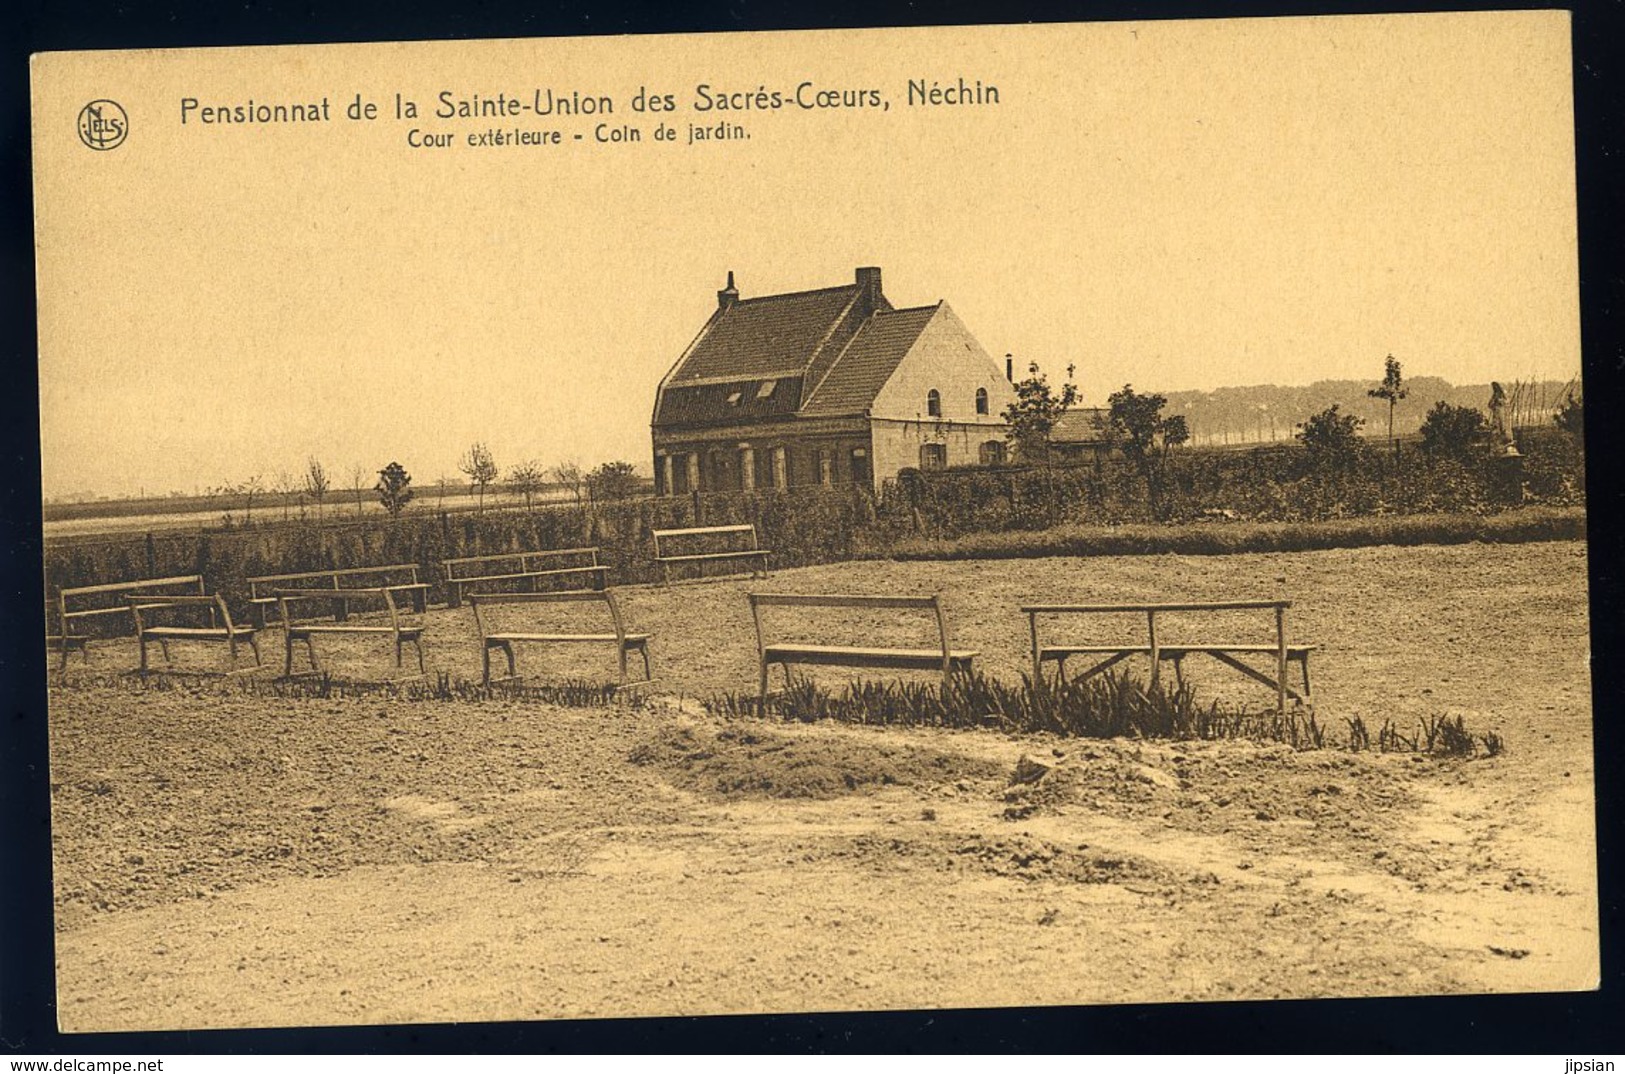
[{"x": 832, "y": 386}]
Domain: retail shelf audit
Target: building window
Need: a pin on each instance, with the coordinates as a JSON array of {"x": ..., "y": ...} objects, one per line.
[
  {"x": 981, "y": 400},
  {"x": 933, "y": 456},
  {"x": 766, "y": 390},
  {"x": 933, "y": 403},
  {"x": 861, "y": 474},
  {"x": 734, "y": 397},
  {"x": 992, "y": 453}
]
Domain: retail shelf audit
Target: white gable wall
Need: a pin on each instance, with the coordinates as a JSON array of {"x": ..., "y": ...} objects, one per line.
[{"x": 948, "y": 358}]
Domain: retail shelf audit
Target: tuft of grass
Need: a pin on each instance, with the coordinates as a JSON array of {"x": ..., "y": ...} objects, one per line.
[
  {"x": 571, "y": 693},
  {"x": 1105, "y": 706}
]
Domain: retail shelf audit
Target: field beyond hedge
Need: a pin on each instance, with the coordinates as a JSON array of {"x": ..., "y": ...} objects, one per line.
[{"x": 227, "y": 860}]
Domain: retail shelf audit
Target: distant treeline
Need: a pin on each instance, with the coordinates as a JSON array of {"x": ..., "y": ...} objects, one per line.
[{"x": 1268, "y": 412}]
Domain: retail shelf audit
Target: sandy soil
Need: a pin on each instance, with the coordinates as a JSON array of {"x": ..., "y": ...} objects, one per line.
[{"x": 224, "y": 860}]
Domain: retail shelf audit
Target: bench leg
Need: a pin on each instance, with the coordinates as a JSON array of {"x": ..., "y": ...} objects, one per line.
[
  {"x": 163, "y": 646},
  {"x": 1102, "y": 666},
  {"x": 417, "y": 643},
  {"x": 1278, "y": 685},
  {"x": 761, "y": 689},
  {"x": 620, "y": 651},
  {"x": 648, "y": 671},
  {"x": 254, "y": 643},
  {"x": 485, "y": 664},
  {"x": 287, "y": 665},
  {"x": 143, "y": 657},
  {"x": 1303, "y": 665},
  {"x": 1179, "y": 671}
]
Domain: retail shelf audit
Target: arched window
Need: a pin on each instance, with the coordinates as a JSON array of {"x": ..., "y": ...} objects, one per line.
[
  {"x": 981, "y": 400},
  {"x": 933, "y": 403}
]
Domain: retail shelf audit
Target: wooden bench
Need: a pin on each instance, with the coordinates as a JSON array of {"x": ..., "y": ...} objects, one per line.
[
  {"x": 698, "y": 536},
  {"x": 86, "y": 602},
  {"x": 220, "y": 628},
  {"x": 941, "y": 657},
  {"x": 262, "y": 590},
  {"x": 505, "y": 640},
  {"x": 397, "y": 630},
  {"x": 59, "y": 640},
  {"x": 527, "y": 567},
  {"x": 1159, "y": 649}
]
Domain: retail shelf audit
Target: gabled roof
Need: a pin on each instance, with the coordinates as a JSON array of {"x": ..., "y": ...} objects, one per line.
[
  {"x": 761, "y": 337},
  {"x": 1080, "y": 425},
  {"x": 868, "y": 361},
  {"x": 731, "y": 401}
]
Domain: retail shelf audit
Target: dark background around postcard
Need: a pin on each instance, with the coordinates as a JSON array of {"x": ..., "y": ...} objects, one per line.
[{"x": 1573, "y": 1025}]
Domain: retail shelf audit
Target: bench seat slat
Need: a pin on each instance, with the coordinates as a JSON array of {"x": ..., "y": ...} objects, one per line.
[
  {"x": 219, "y": 633},
  {"x": 741, "y": 553},
  {"x": 530, "y": 574},
  {"x": 602, "y": 639},
  {"x": 860, "y": 656},
  {"x": 300, "y": 629},
  {"x": 1051, "y": 652}
]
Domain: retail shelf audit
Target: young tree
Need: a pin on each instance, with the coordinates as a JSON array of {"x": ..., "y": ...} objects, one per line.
[
  {"x": 394, "y": 488},
  {"x": 480, "y": 467},
  {"x": 1454, "y": 432},
  {"x": 613, "y": 481},
  {"x": 1033, "y": 415},
  {"x": 527, "y": 479},
  {"x": 358, "y": 477},
  {"x": 285, "y": 488},
  {"x": 254, "y": 486},
  {"x": 1570, "y": 415},
  {"x": 569, "y": 474},
  {"x": 1331, "y": 438},
  {"x": 1136, "y": 425},
  {"x": 1392, "y": 390},
  {"x": 316, "y": 483}
]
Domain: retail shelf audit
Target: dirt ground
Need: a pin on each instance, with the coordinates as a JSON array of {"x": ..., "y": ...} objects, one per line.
[{"x": 225, "y": 860}]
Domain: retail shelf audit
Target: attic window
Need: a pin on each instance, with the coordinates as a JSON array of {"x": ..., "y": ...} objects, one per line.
[
  {"x": 734, "y": 397},
  {"x": 766, "y": 390}
]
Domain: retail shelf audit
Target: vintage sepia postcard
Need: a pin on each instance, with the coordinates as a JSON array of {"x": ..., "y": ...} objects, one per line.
[{"x": 814, "y": 521}]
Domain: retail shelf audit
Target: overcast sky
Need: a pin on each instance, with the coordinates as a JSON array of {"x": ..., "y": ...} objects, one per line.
[{"x": 1176, "y": 205}]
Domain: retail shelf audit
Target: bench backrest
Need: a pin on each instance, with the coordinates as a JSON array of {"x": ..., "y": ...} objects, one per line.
[
  {"x": 465, "y": 567},
  {"x": 596, "y": 596},
  {"x": 933, "y": 604},
  {"x": 1151, "y": 611},
  {"x": 84, "y": 602},
  {"x": 701, "y": 534},
  {"x": 287, "y": 598},
  {"x": 144, "y": 607},
  {"x": 335, "y": 576}
]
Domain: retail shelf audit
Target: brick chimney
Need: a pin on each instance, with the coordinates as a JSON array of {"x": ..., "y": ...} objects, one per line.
[
  {"x": 1010, "y": 368},
  {"x": 728, "y": 295},
  {"x": 868, "y": 280}
]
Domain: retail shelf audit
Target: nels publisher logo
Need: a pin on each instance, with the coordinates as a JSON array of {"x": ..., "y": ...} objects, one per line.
[{"x": 103, "y": 124}]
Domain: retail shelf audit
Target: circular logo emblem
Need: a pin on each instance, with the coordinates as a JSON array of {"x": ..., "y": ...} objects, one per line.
[{"x": 103, "y": 124}]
